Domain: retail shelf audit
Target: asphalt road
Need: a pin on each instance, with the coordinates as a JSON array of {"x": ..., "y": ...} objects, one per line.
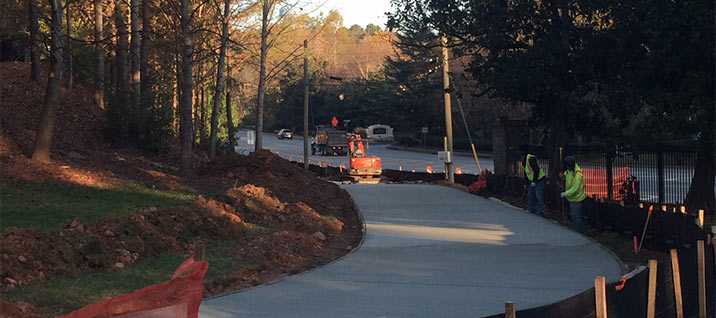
[
  {"x": 432, "y": 251},
  {"x": 676, "y": 181},
  {"x": 390, "y": 159}
]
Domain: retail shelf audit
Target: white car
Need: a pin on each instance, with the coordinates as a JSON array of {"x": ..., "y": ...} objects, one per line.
[{"x": 285, "y": 134}]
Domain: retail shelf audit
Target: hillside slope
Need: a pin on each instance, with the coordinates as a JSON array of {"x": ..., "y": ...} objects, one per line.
[{"x": 95, "y": 211}]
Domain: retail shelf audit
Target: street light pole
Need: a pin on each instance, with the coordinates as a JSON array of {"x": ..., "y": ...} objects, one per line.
[
  {"x": 449, "y": 174},
  {"x": 305, "y": 104}
]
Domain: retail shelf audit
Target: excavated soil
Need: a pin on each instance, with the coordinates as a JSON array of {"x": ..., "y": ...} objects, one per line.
[{"x": 283, "y": 218}]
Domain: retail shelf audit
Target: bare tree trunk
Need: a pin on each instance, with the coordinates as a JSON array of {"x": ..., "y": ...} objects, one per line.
[
  {"x": 216, "y": 111},
  {"x": 122, "y": 45},
  {"x": 43, "y": 137},
  {"x": 69, "y": 48},
  {"x": 187, "y": 83},
  {"x": 144, "y": 50},
  {"x": 202, "y": 110},
  {"x": 134, "y": 79},
  {"x": 262, "y": 74},
  {"x": 229, "y": 119},
  {"x": 179, "y": 87},
  {"x": 34, "y": 41},
  {"x": 98, "y": 54}
]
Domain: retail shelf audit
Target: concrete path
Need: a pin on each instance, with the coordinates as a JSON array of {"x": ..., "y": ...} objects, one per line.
[{"x": 432, "y": 251}]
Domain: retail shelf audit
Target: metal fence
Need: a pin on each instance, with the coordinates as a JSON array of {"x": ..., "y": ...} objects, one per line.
[{"x": 655, "y": 174}]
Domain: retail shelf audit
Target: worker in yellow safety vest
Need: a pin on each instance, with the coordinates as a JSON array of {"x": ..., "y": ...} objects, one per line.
[
  {"x": 575, "y": 191},
  {"x": 536, "y": 178}
]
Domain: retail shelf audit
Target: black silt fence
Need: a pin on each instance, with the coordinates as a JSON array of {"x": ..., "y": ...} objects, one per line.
[{"x": 631, "y": 300}]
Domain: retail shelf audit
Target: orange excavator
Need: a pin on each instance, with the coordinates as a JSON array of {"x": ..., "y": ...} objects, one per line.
[{"x": 363, "y": 169}]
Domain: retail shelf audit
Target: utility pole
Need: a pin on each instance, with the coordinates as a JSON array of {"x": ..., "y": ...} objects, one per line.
[
  {"x": 305, "y": 104},
  {"x": 448, "y": 111}
]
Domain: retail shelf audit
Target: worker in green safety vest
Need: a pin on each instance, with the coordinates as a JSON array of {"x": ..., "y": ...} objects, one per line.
[
  {"x": 575, "y": 191},
  {"x": 536, "y": 178}
]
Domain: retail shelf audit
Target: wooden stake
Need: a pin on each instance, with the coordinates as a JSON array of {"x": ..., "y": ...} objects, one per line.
[
  {"x": 600, "y": 296},
  {"x": 199, "y": 251},
  {"x": 701, "y": 218},
  {"x": 651, "y": 303},
  {"x": 677, "y": 284},
  {"x": 702, "y": 278},
  {"x": 648, "y": 216},
  {"x": 510, "y": 310}
]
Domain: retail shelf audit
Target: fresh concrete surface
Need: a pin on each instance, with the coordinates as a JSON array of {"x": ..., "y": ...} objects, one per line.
[{"x": 432, "y": 251}]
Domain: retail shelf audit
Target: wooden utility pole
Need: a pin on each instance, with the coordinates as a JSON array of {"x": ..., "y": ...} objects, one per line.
[
  {"x": 448, "y": 110},
  {"x": 305, "y": 104}
]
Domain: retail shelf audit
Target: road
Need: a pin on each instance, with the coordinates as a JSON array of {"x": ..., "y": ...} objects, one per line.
[
  {"x": 432, "y": 251},
  {"x": 676, "y": 181},
  {"x": 390, "y": 159}
]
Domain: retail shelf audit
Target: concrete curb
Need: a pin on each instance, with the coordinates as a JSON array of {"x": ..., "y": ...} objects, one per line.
[{"x": 361, "y": 220}]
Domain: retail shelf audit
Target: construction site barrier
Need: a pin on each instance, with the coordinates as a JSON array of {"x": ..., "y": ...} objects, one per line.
[
  {"x": 666, "y": 229},
  {"x": 595, "y": 181},
  {"x": 629, "y": 298},
  {"x": 178, "y": 297}
]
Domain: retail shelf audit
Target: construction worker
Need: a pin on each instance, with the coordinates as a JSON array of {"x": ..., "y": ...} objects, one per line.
[
  {"x": 356, "y": 141},
  {"x": 536, "y": 178},
  {"x": 575, "y": 191}
]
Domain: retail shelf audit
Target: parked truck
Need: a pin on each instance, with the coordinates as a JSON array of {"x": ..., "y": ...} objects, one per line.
[{"x": 329, "y": 141}]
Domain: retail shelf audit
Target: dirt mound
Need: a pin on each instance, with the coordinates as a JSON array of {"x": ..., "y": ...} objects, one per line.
[
  {"x": 266, "y": 210},
  {"x": 25, "y": 310},
  {"x": 78, "y": 124},
  {"x": 287, "y": 182},
  {"x": 29, "y": 255}
]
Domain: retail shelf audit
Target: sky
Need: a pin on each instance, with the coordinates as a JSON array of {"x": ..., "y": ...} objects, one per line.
[{"x": 361, "y": 12}]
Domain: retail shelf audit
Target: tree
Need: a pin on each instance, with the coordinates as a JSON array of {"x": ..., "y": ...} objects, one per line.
[
  {"x": 34, "y": 40},
  {"x": 43, "y": 137},
  {"x": 144, "y": 49},
  {"x": 135, "y": 76},
  {"x": 122, "y": 73},
  {"x": 98, "y": 54},
  {"x": 523, "y": 52},
  {"x": 229, "y": 119},
  {"x": 372, "y": 29},
  {"x": 69, "y": 47},
  {"x": 216, "y": 111},
  {"x": 187, "y": 87}
]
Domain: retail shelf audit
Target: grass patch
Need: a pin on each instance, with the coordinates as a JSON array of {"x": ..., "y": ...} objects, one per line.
[
  {"x": 61, "y": 295},
  {"x": 623, "y": 247},
  {"x": 45, "y": 206}
]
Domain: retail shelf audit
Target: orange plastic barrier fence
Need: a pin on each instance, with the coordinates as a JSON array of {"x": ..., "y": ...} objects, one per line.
[
  {"x": 595, "y": 180},
  {"x": 179, "y": 297}
]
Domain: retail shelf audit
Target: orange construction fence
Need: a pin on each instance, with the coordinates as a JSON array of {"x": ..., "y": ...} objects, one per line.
[
  {"x": 595, "y": 180},
  {"x": 178, "y": 297}
]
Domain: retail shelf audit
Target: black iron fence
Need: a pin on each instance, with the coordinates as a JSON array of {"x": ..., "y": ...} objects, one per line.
[{"x": 652, "y": 174}]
